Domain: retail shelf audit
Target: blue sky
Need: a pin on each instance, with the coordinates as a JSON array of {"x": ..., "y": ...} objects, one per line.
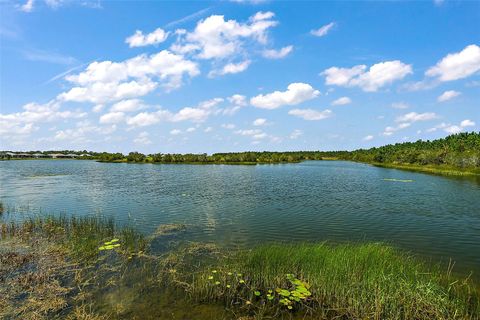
[{"x": 223, "y": 76}]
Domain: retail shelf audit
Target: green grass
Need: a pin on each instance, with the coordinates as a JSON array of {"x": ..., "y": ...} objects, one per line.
[
  {"x": 433, "y": 169},
  {"x": 368, "y": 281},
  {"x": 80, "y": 237}
]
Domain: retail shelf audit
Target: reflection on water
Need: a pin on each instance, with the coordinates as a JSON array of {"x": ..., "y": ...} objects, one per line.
[{"x": 241, "y": 206}]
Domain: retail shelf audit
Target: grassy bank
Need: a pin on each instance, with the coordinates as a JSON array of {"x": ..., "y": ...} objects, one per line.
[
  {"x": 432, "y": 169},
  {"x": 87, "y": 268}
]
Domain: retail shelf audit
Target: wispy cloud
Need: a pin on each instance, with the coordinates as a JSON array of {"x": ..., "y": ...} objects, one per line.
[
  {"x": 63, "y": 74},
  {"x": 187, "y": 18}
]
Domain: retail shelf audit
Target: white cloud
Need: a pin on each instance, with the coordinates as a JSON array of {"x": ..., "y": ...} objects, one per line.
[
  {"x": 467, "y": 123},
  {"x": 453, "y": 129},
  {"x": 199, "y": 113},
  {"x": 208, "y": 129},
  {"x": 215, "y": 38},
  {"x": 324, "y": 30},
  {"x": 230, "y": 68},
  {"x": 400, "y": 105},
  {"x": 449, "y": 128},
  {"x": 260, "y": 122},
  {"x": 143, "y": 138},
  {"x": 414, "y": 117},
  {"x": 191, "y": 129},
  {"x": 144, "y": 119},
  {"x": 237, "y": 102},
  {"x": 127, "y": 105},
  {"x": 296, "y": 134},
  {"x": 277, "y": 54},
  {"x": 296, "y": 93},
  {"x": 368, "y": 138},
  {"x": 108, "y": 81},
  {"x": 112, "y": 117},
  {"x": 138, "y": 39},
  {"x": 457, "y": 65},
  {"x": 377, "y": 76},
  {"x": 390, "y": 130},
  {"x": 342, "y": 101},
  {"x": 255, "y": 134},
  {"x": 27, "y": 6},
  {"x": 101, "y": 92},
  {"x": 310, "y": 114},
  {"x": 24, "y": 122},
  {"x": 175, "y": 132},
  {"x": 448, "y": 95}
]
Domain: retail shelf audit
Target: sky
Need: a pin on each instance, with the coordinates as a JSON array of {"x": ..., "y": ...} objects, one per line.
[{"x": 223, "y": 76}]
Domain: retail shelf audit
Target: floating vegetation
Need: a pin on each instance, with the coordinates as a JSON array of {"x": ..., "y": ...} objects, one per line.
[
  {"x": 168, "y": 229},
  {"x": 110, "y": 245},
  {"x": 397, "y": 180}
]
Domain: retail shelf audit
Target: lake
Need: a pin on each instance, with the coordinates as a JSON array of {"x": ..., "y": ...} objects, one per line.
[{"x": 240, "y": 206}]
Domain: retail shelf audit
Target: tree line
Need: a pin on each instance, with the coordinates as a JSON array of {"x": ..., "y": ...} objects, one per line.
[{"x": 461, "y": 150}]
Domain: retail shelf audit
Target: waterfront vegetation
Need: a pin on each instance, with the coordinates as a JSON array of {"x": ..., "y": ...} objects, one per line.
[
  {"x": 89, "y": 268},
  {"x": 457, "y": 154}
]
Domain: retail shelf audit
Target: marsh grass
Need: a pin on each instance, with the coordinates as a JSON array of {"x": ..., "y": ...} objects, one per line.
[
  {"x": 88, "y": 268},
  {"x": 369, "y": 281}
]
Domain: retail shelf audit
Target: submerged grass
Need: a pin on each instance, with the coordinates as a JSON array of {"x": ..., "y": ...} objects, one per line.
[{"x": 87, "y": 268}]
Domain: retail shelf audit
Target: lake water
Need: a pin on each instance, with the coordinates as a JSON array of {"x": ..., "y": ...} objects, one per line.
[{"x": 240, "y": 206}]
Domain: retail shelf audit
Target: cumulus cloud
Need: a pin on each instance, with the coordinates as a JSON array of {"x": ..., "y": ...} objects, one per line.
[
  {"x": 259, "y": 122},
  {"x": 127, "y": 105},
  {"x": 138, "y": 39},
  {"x": 217, "y": 38},
  {"x": 112, "y": 117},
  {"x": 196, "y": 114},
  {"x": 467, "y": 123},
  {"x": 277, "y": 54},
  {"x": 448, "y": 95},
  {"x": 230, "y": 68},
  {"x": 310, "y": 114},
  {"x": 26, "y": 121},
  {"x": 342, "y": 101},
  {"x": 175, "y": 132},
  {"x": 144, "y": 119},
  {"x": 107, "y": 81},
  {"x": 296, "y": 93},
  {"x": 457, "y": 65},
  {"x": 376, "y": 77},
  {"x": 324, "y": 30}
]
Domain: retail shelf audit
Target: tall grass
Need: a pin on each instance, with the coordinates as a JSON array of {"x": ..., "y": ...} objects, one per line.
[
  {"x": 80, "y": 236},
  {"x": 369, "y": 281}
]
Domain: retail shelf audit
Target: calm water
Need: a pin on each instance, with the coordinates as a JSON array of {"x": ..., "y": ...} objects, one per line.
[{"x": 433, "y": 216}]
